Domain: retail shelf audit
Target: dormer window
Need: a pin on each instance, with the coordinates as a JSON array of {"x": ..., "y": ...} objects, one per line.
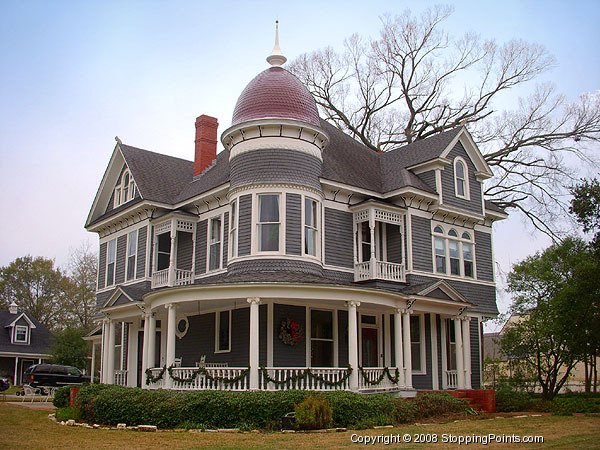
[
  {"x": 125, "y": 191},
  {"x": 21, "y": 334},
  {"x": 461, "y": 178}
]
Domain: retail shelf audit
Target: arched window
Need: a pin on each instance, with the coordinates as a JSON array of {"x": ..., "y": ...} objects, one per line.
[
  {"x": 452, "y": 233},
  {"x": 125, "y": 190},
  {"x": 453, "y": 255},
  {"x": 461, "y": 178},
  {"x": 438, "y": 229}
]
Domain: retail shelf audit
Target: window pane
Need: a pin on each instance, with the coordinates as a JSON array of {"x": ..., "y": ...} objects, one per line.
[
  {"x": 224, "y": 330},
  {"x": 440, "y": 255},
  {"x": 310, "y": 213},
  {"x": 132, "y": 243},
  {"x": 452, "y": 233},
  {"x": 468, "y": 260},
  {"x": 131, "y": 267},
  {"x": 460, "y": 188},
  {"x": 466, "y": 235},
  {"x": 416, "y": 357},
  {"x": 468, "y": 251},
  {"x": 310, "y": 241},
  {"x": 215, "y": 256},
  {"x": 469, "y": 269},
  {"x": 321, "y": 324},
  {"x": 233, "y": 214},
  {"x": 460, "y": 170},
  {"x": 453, "y": 246},
  {"x": 268, "y": 238},
  {"x": 215, "y": 230},
  {"x": 454, "y": 258},
  {"x": 112, "y": 247},
  {"x": 164, "y": 243},
  {"x": 454, "y": 266},
  {"x": 438, "y": 229},
  {"x": 269, "y": 208},
  {"x": 110, "y": 274},
  {"x": 321, "y": 354},
  {"x": 415, "y": 339}
]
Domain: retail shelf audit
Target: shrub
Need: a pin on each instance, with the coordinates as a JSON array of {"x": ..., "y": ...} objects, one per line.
[
  {"x": 512, "y": 400},
  {"x": 428, "y": 405},
  {"x": 62, "y": 397},
  {"x": 313, "y": 413}
]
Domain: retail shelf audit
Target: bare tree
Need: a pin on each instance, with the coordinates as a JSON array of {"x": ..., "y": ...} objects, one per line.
[
  {"x": 406, "y": 86},
  {"x": 81, "y": 297}
]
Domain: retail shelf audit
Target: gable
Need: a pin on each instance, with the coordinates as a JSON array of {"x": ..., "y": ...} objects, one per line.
[
  {"x": 121, "y": 300},
  {"x": 438, "y": 293},
  {"x": 482, "y": 170}
]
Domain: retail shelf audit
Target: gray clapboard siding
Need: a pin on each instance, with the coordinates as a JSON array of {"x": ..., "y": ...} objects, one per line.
[
  {"x": 293, "y": 225},
  {"x": 289, "y": 355},
  {"x": 448, "y": 194},
  {"x": 421, "y": 244},
  {"x": 338, "y": 238},
  {"x": 483, "y": 256},
  {"x": 151, "y": 262},
  {"x": 475, "y": 354},
  {"x": 274, "y": 265},
  {"x": 245, "y": 225},
  {"x": 121, "y": 258},
  {"x": 394, "y": 243},
  {"x": 102, "y": 265},
  {"x": 429, "y": 179},
  {"x": 185, "y": 250},
  {"x": 341, "y": 277},
  {"x": 201, "y": 230},
  {"x": 140, "y": 271},
  {"x": 275, "y": 166}
]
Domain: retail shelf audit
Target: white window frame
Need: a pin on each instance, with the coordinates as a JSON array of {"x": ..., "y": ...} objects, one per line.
[
  {"x": 119, "y": 198},
  {"x": 209, "y": 243},
  {"x": 107, "y": 284},
  {"x": 334, "y": 334},
  {"x": 316, "y": 228},
  {"x": 218, "y": 330},
  {"x": 465, "y": 180},
  {"x": 422, "y": 344},
  {"x": 233, "y": 228},
  {"x": 460, "y": 240},
  {"x": 256, "y": 224},
  {"x": 128, "y": 256},
  {"x": 16, "y": 333},
  {"x": 377, "y": 326}
]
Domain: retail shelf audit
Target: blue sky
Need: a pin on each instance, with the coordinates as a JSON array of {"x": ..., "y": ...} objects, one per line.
[{"x": 75, "y": 74}]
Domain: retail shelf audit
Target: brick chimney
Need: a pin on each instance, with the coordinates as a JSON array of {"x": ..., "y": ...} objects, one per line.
[{"x": 206, "y": 143}]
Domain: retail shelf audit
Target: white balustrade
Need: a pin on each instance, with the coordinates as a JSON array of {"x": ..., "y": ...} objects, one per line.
[
  {"x": 383, "y": 271},
  {"x": 155, "y": 372},
  {"x": 160, "y": 278},
  {"x": 204, "y": 382},
  {"x": 120, "y": 377},
  {"x": 451, "y": 379},
  {"x": 372, "y": 374},
  {"x": 281, "y": 374},
  {"x": 183, "y": 277}
]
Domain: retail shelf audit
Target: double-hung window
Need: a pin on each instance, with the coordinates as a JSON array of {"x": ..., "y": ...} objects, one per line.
[
  {"x": 321, "y": 336},
  {"x": 461, "y": 180},
  {"x": 131, "y": 254},
  {"x": 458, "y": 251},
  {"x": 21, "y": 332},
  {"x": 233, "y": 224},
  {"x": 268, "y": 223},
  {"x": 223, "y": 331},
  {"x": 310, "y": 227},
  {"x": 110, "y": 262},
  {"x": 416, "y": 344},
  {"x": 215, "y": 243}
]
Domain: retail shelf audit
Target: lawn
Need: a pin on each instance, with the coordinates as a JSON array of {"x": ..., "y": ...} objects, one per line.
[{"x": 22, "y": 427}]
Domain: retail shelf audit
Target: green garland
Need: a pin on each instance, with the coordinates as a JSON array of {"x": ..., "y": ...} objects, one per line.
[
  {"x": 153, "y": 379},
  {"x": 203, "y": 371},
  {"x": 305, "y": 374},
  {"x": 384, "y": 372}
]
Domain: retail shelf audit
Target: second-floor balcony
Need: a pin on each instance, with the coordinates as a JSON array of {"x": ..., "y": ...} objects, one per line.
[
  {"x": 378, "y": 242},
  {"x": 173, "y": 253}
]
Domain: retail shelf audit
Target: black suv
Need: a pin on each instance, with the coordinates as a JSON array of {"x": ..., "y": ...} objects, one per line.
[{"x": 54, "y": 375}]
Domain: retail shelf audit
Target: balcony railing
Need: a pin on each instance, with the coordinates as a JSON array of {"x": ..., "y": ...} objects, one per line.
[
  {"x": 382, "y": 270},
  {"x": 181, "y": 278},
  {"x": 121, "y": 377},
  {"x": 451, "y": 379}
]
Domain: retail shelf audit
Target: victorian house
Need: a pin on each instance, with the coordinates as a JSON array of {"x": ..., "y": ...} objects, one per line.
[{"x": 295, "y": 257}]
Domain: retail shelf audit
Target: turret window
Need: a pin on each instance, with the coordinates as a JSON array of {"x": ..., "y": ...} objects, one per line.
[
  {"x": 233, "y": 225},
  {"x": 268, "y": 223}
]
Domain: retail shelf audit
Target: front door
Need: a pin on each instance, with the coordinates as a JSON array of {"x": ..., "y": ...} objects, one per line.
[{"x": 369, "y": 347}]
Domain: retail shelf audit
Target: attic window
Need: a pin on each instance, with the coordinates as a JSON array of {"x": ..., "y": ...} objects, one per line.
[
  {"x": 21, "y": 334},
  {"x": 126, "y": 190},
  {"x": 461, "y": 178}
]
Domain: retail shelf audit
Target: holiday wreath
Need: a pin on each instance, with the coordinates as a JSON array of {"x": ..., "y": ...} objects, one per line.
[{"x": 290, "y": 332}]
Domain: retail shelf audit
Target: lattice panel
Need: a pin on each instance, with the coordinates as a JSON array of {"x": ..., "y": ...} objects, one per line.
[
  {"x": 389, "y": 217},
  {"x": 162, "y": 227},
  {"x": 361, "y": 216},
  {"x": 185, "y": 225}
]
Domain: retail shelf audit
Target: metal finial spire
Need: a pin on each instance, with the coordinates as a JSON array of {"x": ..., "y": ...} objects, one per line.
[{"x": 276, "y": 58}]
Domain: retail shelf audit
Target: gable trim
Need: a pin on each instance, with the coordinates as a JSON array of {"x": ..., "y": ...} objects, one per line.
[
  {"x": 23, "y": 315},
  {"x": 446, "y": 289},
  {"x": 115, "y": 296},
  {"x": 483, "y": 170}
]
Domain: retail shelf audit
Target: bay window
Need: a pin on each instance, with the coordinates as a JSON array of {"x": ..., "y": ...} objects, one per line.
[{"x": 268, "y": 223}]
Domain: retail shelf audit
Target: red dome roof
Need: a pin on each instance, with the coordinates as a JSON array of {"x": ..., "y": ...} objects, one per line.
[{"x": 276, "y": 93}]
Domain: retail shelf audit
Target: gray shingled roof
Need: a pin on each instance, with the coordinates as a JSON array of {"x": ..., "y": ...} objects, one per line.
[{"x": 40, "y": 338}]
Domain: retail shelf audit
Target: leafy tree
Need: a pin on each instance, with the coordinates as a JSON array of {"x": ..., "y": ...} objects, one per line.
[
  {"x": 69, "y": 348},
  {"x": 36, "y": 286},
  {"x": 81, "y": 297},
  {"x": 406, "y": 86},
  {"x": 555, "y": 294}
]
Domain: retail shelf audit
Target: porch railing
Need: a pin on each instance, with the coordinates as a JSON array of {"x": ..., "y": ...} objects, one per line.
[
  {"x": 160, "y": 278},
  {"x": 218, "y": 378},
  {"x": 155, "y": 372},
  {"x": 372, "y": 375},
  {"x": 292, "y": 378},
  {"x": 451, "y": 379},
  {"x": 182, "y": 277},
  {"x": 383, "y": 271},
  {"x": 121, "y": 377}
]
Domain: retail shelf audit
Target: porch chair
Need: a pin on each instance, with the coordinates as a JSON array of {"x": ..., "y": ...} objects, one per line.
[
  {"x": 202, "y": 361},
  {"x": 177, "y": 362},
  {"x": 30, "y": 392}
]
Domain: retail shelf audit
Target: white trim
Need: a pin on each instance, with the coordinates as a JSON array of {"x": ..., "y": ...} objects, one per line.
[
  {"x": 422, "y": 344},
  {"x": 444, "y": 351},
  {"x": 435, "y": 381},
  {"x": 483, "y": 170},
  {"x": 24, "y": 316},
  {"x": 465, "y": 179},
  {"x": 270, "y": 334},
  {"x": 15, "y": 333},
  {"x": 309, "y": 337},
  {"x": 438, "y": 184},
  {"x": 409, "y": 254}
]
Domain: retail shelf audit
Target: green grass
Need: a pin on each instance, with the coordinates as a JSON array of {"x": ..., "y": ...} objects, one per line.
[{"x": 23, "y": 427}]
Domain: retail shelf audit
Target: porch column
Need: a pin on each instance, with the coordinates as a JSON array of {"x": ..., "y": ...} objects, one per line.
[
  {"x": 110, "y": 362},
  {"x": 407, "y": 349},
  {"x": 460, "y": 367},
  {"x": 254, "y": 342},
  {"x": 373, "y": 246},
  {"x": 466, "y": 335},
  {"x": 171, "y": 324},
  {"x": 93, "y": 365},
  {"x": 16, "y": 375},
  {"x": 398, "y": 353},
  {"x": 145, "y": 348},
  {"x": 132, "y": 354},
  {"x": 151, "y": 362},
  {"x": 103, "y": 356},
  {"x": 171, "y": 279},
  {"x": 353, "y": 343}
]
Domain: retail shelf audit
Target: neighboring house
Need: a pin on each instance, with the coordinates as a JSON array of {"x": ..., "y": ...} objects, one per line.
[
  {"x": 23, "y": 341},
  {"x": 294, "y": 247}
]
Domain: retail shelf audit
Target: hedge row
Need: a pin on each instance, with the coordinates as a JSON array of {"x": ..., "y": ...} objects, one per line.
[
  {"x": 510, "y": 400},
  {"x": 107, "y": 404}
]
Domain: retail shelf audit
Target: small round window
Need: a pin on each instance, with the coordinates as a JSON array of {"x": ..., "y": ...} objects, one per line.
[{"x": 182, "y": 327}]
